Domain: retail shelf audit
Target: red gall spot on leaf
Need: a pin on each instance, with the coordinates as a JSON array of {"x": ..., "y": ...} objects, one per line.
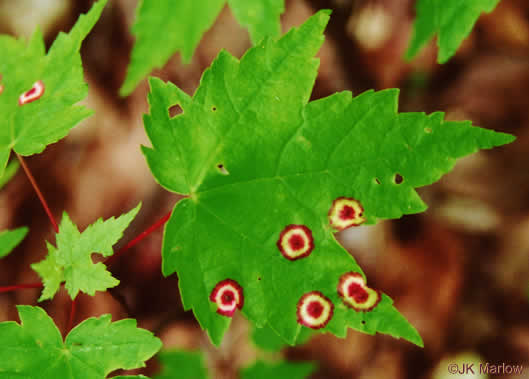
[
  {"x": 295, "y": 242},
  {"x": 356, "y": 294},
  {"x": 398, "y": 178},
  {"x": 228, "y": 295},
  {"x": 33, "y": 94},
  {"x": 346, "y": 212},
  {"x": 1, "y": 89},
  {"x": 314, "y": 310}
]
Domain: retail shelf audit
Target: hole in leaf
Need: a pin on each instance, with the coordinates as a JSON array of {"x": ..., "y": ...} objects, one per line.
[
  {"x": 222, "y": 169},
  {"x": 363, "y": 322},
  {"x": 377, "y": 181},
  {"x": 398, "y": 178},
  {"x": 175, "y": 110},
  {"x": 427, "y": 130}
]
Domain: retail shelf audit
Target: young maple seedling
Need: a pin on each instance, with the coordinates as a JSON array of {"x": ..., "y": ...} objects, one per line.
[{"x": 265, "y": 193}]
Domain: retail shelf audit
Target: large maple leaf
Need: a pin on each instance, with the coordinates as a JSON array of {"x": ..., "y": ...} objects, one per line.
[{"x": 269, "y": 177}]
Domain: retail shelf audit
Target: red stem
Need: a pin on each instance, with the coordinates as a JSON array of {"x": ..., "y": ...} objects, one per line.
[
  {"x": 144, "y": 234},
  {"x": 72, "y": 316},
  {"x": 20, "y": 287},
  {"x": 37, "y": 190}
]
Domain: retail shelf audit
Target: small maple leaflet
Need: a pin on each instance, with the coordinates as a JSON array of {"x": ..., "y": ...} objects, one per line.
[
  {"x": 228, "y": 295},
  {"x": 33, "y": 94}
]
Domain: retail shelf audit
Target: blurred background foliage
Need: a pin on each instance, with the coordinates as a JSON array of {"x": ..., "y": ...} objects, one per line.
[{"x": 459, "y": 272}]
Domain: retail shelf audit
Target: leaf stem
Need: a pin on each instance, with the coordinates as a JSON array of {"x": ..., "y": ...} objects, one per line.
[
  {"x": 39, "y": 194},
  {"x": 20, "y": 287},
  {"x": 140, "y": 237}
]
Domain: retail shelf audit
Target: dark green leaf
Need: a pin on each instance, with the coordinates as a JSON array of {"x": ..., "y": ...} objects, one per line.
[{"x": 35, "y": 349}]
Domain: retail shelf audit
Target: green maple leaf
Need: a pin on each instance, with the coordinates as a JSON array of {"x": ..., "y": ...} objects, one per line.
[
  {"x": 9, "y": 239},
  {"x": 182, "y": 365},
  {"x": 35, "y": 349},
  {"x": 163, "y": 28},
  {"x": 253, "y": 156},
  {"x": 71, "y": 261},
  {"x": 29, "y": 128},
  {"x": 452, "y": 20},
  {"x": 281, "y": 370}
]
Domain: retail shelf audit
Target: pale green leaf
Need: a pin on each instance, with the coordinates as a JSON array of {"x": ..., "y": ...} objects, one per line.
[
  {"x": 451, "y": 20},
  {"x": 253, "y": 155},
  {"x": 71, "y": 261},
  {"x": 163, "y": 28},
  {"x": 35, "y": 349},
  {"x": 29, "y": 128},
  {"x": 9, "y": 239}
]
